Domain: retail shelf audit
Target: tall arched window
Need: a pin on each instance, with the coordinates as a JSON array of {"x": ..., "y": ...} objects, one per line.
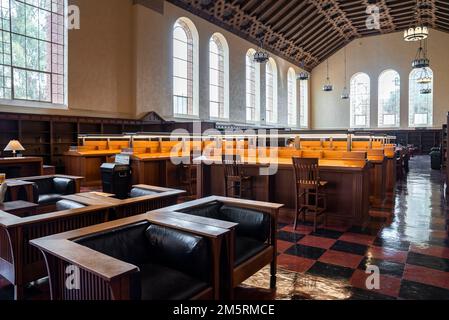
[
  {"x": 389, "y": 99},
  {"x": 185, "y": 68},
  {"x": 218, "y": 77},
  {"x": 360, "y": 101},
  {"x": 252, "y": 88},
  {"x": 304, "y": 103},
  {"x": 292, "y": 98},
  {"x": 271, "y": 92},
  {"x": 420, "y": 105}
]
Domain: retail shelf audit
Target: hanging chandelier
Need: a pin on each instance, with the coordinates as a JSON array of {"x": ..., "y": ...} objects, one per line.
[
  {"x": 424, "y": 77},
  {"x": 303, "y": 75},
  {"x": 261, "y": 56},
  {"x": 421, "y": 60},
  {"x": 327, "y": 87},
  {"x": 345, "y": 92},
  {"x": 416, "y": 33},
  {"x": 426, "y": 91}
]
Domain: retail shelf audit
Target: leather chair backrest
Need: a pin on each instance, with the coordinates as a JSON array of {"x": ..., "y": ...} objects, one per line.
[
  {"x": 63, "y": 205},
  {"x": 63, "y": 186},
  {"x": 181, "y": 251},
  {"x": 251, "y": 224},
  {"x": 138, "y": 192},
  {"x": 127, "y": 243},
  {"x": 44, "y": 186},
  {"x": 210, "y": 210}
]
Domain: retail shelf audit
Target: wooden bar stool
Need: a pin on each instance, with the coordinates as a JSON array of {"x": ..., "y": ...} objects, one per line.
[
  {"x": 187, "y": 175},
  {"x": 309, "y": 190},
  {"x": 237, "y": 184}
]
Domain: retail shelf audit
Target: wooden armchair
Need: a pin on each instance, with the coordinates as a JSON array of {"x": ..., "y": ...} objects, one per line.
[
  {"x": 108, "y": 273},
  {"x": 253, "y": 226}
]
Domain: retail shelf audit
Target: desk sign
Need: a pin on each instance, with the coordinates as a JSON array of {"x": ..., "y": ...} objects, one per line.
[{"x": 122, "y": 159}]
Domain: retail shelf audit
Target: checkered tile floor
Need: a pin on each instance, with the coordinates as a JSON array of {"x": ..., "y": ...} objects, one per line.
[
  {"x": 407, "y": 241},
  {"x": 411, "y": 251}
]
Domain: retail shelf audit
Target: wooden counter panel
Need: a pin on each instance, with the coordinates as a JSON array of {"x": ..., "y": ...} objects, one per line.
[{"x": 348, "y": 190}]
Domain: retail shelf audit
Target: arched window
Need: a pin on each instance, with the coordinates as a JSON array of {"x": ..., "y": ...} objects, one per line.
[
  {"x": 185, "y": 68},
  {"x": 389, "y": 99},
  {"x": 420, "y": 104},
  {"x": 252, "y": 88},
  {"x": 304, "y": 103},
  {"x": 292, "y": 98},
  {"x": 271, "y": 92},
  {"x": 360, "y": 101},
  {"x": 218, "y": 77}
]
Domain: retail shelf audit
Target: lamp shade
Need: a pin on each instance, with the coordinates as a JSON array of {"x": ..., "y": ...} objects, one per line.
[{"x": 14, "y": 145}]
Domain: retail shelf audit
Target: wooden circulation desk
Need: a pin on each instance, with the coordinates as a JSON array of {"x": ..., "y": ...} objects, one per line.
[
  {"x": 87, "y": 164},
  {"x": 348, "y": 188},
  {"x": 154, "y": 169}
]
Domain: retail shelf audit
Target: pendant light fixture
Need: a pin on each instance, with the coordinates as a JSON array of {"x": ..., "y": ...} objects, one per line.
[
  {"x": 261, "y": 56},
  {"x": 327, "y": 87},
  {"x": 303, "y": 75},
  {"x": 345, "y": 92},
  {"x": 421, "y": 60},
  {"x": 418, "y": 32}
]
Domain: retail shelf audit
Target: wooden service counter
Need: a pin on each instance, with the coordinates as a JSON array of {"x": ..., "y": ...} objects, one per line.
[
  {"x": 21, "y": 167},
  {"x": 87, "y": 164},
  {"x": 348, "y": 188},
  {"x": 154, "y": 169}
]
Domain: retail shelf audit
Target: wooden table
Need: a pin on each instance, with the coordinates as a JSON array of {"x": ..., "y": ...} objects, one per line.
[
  {"x": 19, "y": 208},
  {"x": 347, "y": 191},
  {"x": 93, "y": 198},
  {"x": 21, "y": 167}
]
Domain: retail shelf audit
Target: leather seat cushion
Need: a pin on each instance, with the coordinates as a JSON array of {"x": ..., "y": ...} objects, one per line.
[
  {"x": 68, "y": 205},
  {"x": 50, "y": 198},
  {"x": 179, "y": 250},
  {"x": 44, "y": 186},
  {"x": 138, "y": 192},
  {"x": 252, "y": 224},
  {"x": 245, "y": 248},
  {"x": 162, "y": 283}
]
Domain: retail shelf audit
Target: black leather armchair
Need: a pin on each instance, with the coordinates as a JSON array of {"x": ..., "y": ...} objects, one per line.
[
  {"x": 251, "y": 233},
  {"x": 253, "y": 227},
  {"x": 48, "y": 190},
  {"x": 173, "y": 265}
]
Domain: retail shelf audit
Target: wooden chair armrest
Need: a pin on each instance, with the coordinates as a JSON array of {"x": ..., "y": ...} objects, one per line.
[{"x": 106, "y": 267}]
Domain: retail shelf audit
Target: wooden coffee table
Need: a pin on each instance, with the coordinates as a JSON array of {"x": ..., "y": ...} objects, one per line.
[{"x": 19, "y": 208}]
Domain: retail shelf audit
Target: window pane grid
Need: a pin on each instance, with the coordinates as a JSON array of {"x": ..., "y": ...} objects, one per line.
[
  {"x": 271, "y": 112},
  {"x": 360, "y": 101},
  {"x": 182, "y": 69},
  {"x": 250, "y": 88},
  {"x": 303, "y": 104},
  {"x": 292, "y": 107},
  {"x": 216, "y": 78},
  {"x": 32, "y": 53},
  {"x": 420, "y": 105},
  {"x": 389, "y": 99}
]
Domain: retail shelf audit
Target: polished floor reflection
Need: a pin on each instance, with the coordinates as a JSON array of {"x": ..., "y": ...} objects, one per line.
[{"x": 407, "y": 241}]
